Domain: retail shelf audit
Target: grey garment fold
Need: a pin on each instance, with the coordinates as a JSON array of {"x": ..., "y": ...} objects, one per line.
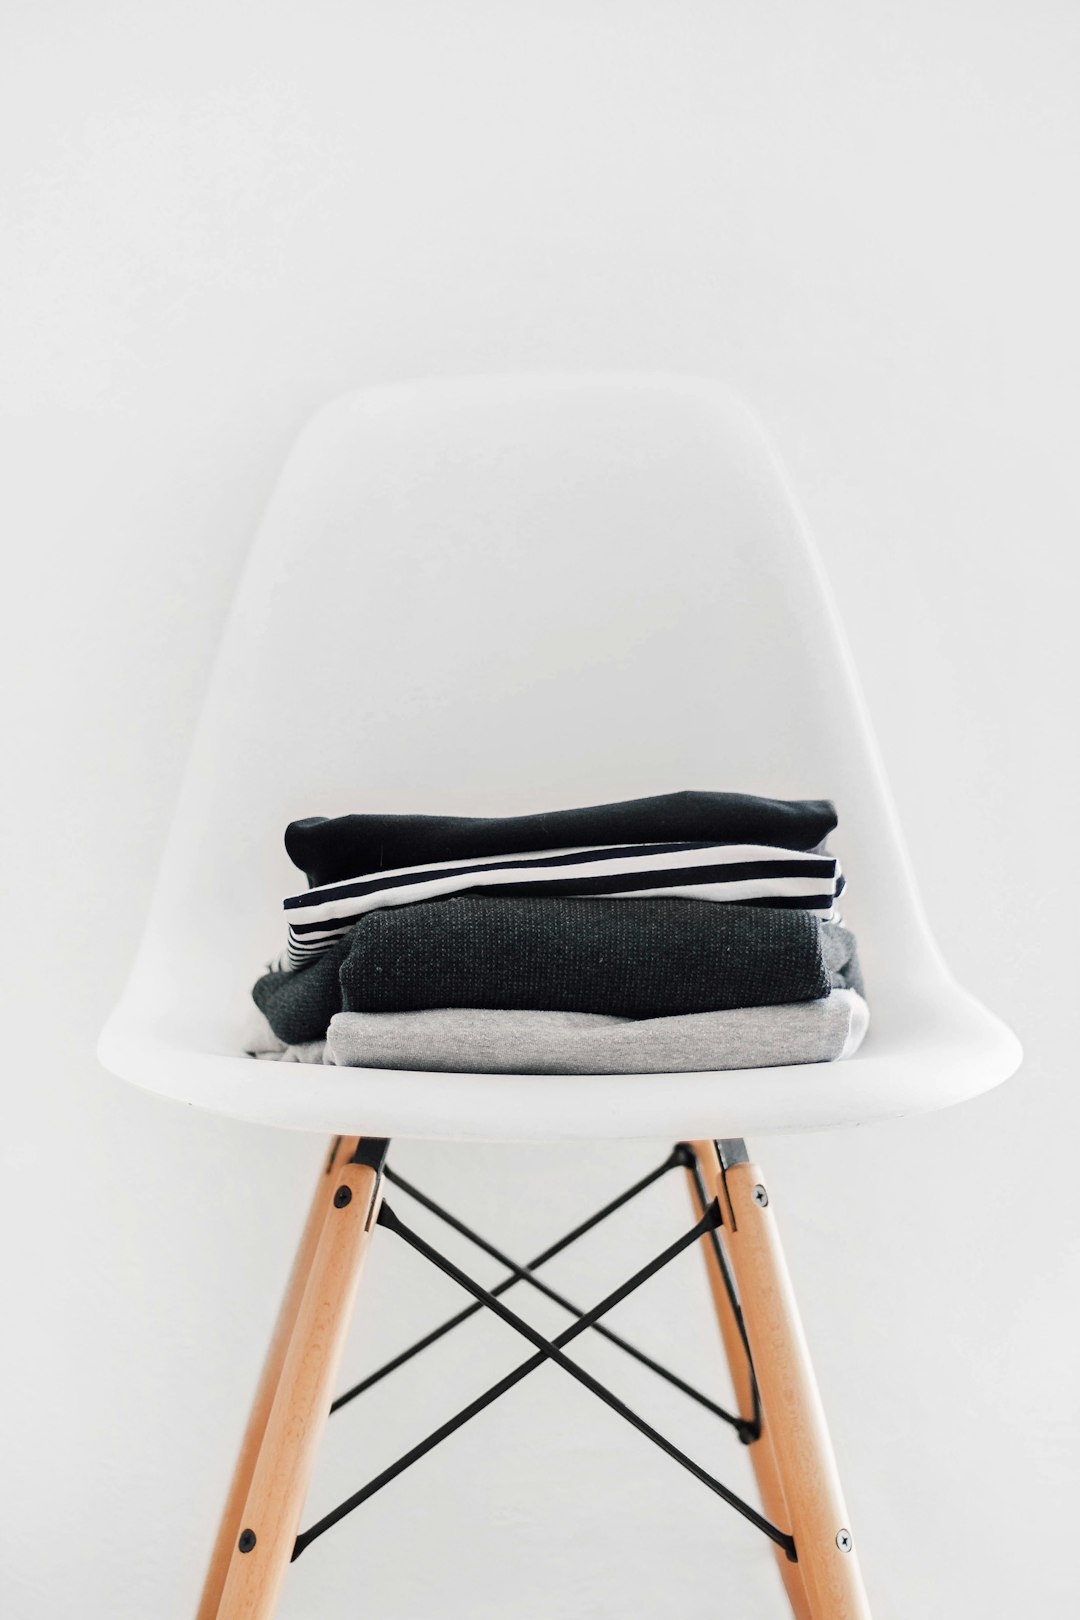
[
  {"x": 840, "y": 955},
  {"x": 261, "y": 1042},
  {"x": 309, "y": 1052},
  {"x": 511, "y": 1041}
]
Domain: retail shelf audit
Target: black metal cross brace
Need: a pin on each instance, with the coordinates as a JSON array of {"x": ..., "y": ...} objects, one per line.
[{"x": 552, "y": 1350}]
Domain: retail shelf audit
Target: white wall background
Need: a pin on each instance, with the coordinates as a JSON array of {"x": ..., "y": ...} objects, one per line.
[{"x": 217, "y": 216}]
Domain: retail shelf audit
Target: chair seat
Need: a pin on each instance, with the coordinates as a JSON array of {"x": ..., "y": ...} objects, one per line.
[
  {"x": 941, "y": 1049},
  {"x": 497, "y": 595}
]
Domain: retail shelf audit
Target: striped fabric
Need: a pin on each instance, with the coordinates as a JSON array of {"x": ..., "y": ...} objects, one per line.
[{"x": 740, "y": 873}]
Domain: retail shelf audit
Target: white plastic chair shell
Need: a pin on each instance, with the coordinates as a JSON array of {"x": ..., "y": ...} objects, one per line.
[{"x": 510, "y": 594}]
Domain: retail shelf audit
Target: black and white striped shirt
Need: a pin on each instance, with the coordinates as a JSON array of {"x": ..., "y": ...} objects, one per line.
[{"x": 740, "y": 873}]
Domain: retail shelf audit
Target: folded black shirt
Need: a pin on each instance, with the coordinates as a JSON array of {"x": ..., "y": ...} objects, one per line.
[
  {"x": 637, "y": 958},
  {"x": 331, "y": 850}
]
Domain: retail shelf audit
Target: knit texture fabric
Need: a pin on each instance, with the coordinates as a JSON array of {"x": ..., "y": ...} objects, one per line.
[
  {"x": 648, "y": 960},
  {"x": 300, "y": 1004},
  {"x": 485, "y": 1041},
  {"x": 645, "y": 959},
  {"x": 330, "y": 850}
]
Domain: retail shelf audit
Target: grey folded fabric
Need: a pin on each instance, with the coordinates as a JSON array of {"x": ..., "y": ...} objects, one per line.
[
  {"x": 307, "y": 1052},
  {"x": 524, "y": 1041},
  {"x": 840, "y": 955}
]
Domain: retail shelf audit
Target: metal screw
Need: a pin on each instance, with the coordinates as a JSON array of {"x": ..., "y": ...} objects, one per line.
[
  {"x": 247, "y": 1540},
  {"x": 844, "y": 1541},
  {"x": 342, "y": 1197},
  {"x": 760, "y": 1196}
]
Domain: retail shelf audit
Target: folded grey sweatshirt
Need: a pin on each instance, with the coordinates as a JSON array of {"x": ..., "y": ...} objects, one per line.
[{"x": 500, "y": 1041}]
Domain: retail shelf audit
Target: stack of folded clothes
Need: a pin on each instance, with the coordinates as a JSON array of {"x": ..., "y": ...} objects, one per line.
[{"x": 689, "y": 931}]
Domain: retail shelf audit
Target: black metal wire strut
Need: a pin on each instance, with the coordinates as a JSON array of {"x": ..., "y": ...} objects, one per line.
[
  {"x": 547, "y": 1350},
  {"x": 745, "y": 1428},
  {"x": 680, "y": 1156}
]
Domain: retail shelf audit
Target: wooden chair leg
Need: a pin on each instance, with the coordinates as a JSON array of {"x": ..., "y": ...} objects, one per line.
[
  {"x": 805, "y": 1466},
  {"x": 230, "y": 1526},
  {"x": 292, "y": 1405},
  {"x": 761, "y": 1452}
]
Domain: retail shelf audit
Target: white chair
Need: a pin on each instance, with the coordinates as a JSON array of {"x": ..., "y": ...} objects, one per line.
[{"x": 489, "y": 597}]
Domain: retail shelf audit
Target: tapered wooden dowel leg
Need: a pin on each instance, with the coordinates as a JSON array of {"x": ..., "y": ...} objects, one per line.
[
  {"x": 800, "y": 1440},
  {"x": 230, "y": 1526},
  {"x": 270, "y": 1517},
  {"x": 761, "y": 1453}
]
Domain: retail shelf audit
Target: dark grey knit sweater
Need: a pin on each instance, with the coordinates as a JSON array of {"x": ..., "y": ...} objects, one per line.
[{"x": 636, "y": 958}]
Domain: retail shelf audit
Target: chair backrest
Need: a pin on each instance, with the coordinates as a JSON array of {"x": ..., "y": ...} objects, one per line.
[{"x": 513, "y": 594}]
